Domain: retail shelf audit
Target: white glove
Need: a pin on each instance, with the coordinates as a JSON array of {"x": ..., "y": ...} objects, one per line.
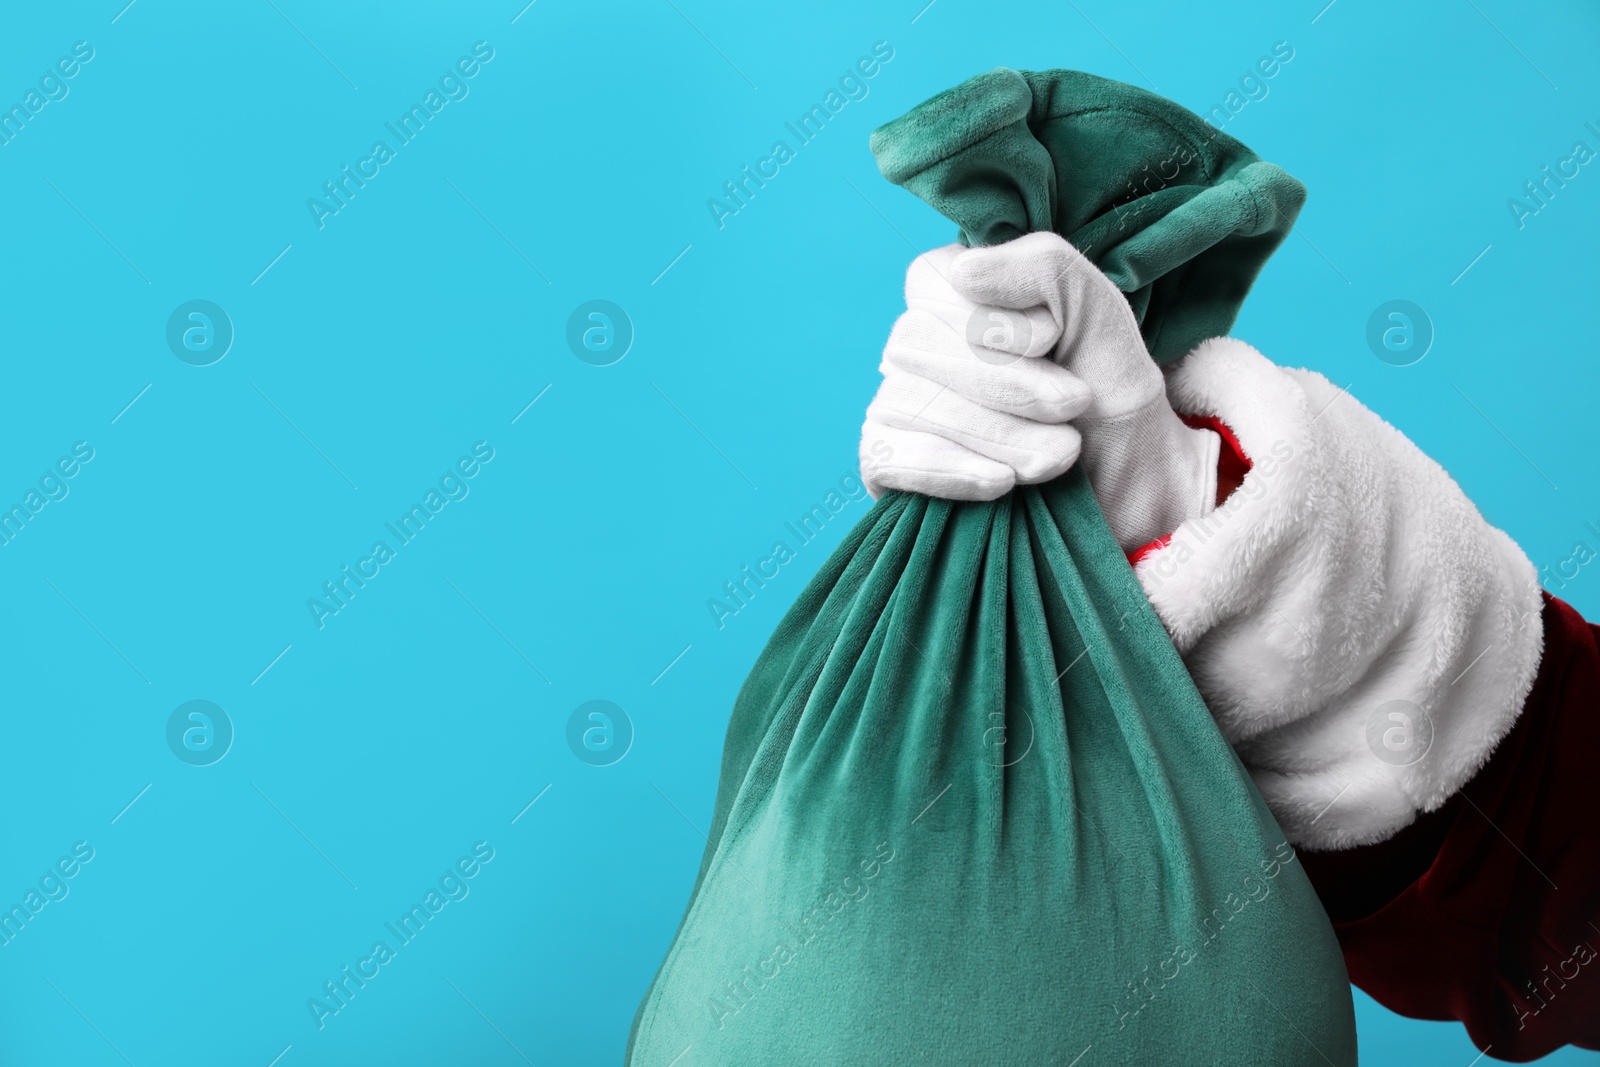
[
  {"x": 1149, "y": 471},
  {"x": 968, "y": 419}
]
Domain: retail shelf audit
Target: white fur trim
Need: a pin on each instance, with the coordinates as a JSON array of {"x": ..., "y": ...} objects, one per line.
[{"x": 1347, "y": 571}]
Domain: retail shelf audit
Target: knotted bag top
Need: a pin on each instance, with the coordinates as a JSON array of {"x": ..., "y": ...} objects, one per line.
[{"x": 1179, "y": 215}]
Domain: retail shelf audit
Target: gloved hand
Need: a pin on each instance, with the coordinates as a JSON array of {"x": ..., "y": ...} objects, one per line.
[
  {"x": 969, "y": 405},
  {"x": 967, "y": 408}
]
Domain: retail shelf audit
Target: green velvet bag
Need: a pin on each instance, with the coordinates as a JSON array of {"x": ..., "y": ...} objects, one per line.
[{"x": 972, "y": 809}]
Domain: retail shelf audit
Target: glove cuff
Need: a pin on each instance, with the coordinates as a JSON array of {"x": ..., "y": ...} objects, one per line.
[{"x": 1151, "y": 472}]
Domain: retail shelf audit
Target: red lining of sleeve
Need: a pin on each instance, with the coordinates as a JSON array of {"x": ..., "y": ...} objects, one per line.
[
  {"x": 1232, "y": 462},
  {"x": 1145, "y": 549}
]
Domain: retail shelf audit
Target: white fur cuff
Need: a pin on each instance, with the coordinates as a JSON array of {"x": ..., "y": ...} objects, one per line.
[{"x": 1362, "y": 636}]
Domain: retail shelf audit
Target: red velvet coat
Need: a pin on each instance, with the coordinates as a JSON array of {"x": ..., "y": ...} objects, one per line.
[{"x": 1488, "y": 909}]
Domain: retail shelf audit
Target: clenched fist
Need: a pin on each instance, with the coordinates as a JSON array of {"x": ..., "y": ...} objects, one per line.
[{"x": 1009, "y": 363}]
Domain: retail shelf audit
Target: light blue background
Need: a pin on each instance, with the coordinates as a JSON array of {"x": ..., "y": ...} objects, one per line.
[{"x": 416, "y": 323}]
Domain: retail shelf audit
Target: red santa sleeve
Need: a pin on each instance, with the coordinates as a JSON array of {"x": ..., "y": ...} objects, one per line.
[
  {"x": 1487, "y": 910},
  {"x": 1421, "y": 721}
]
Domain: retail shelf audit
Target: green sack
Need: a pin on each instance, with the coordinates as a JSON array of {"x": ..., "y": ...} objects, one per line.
[
  {"x": 972, "y": 809},
  {"x": 1179, "y": 215}
]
